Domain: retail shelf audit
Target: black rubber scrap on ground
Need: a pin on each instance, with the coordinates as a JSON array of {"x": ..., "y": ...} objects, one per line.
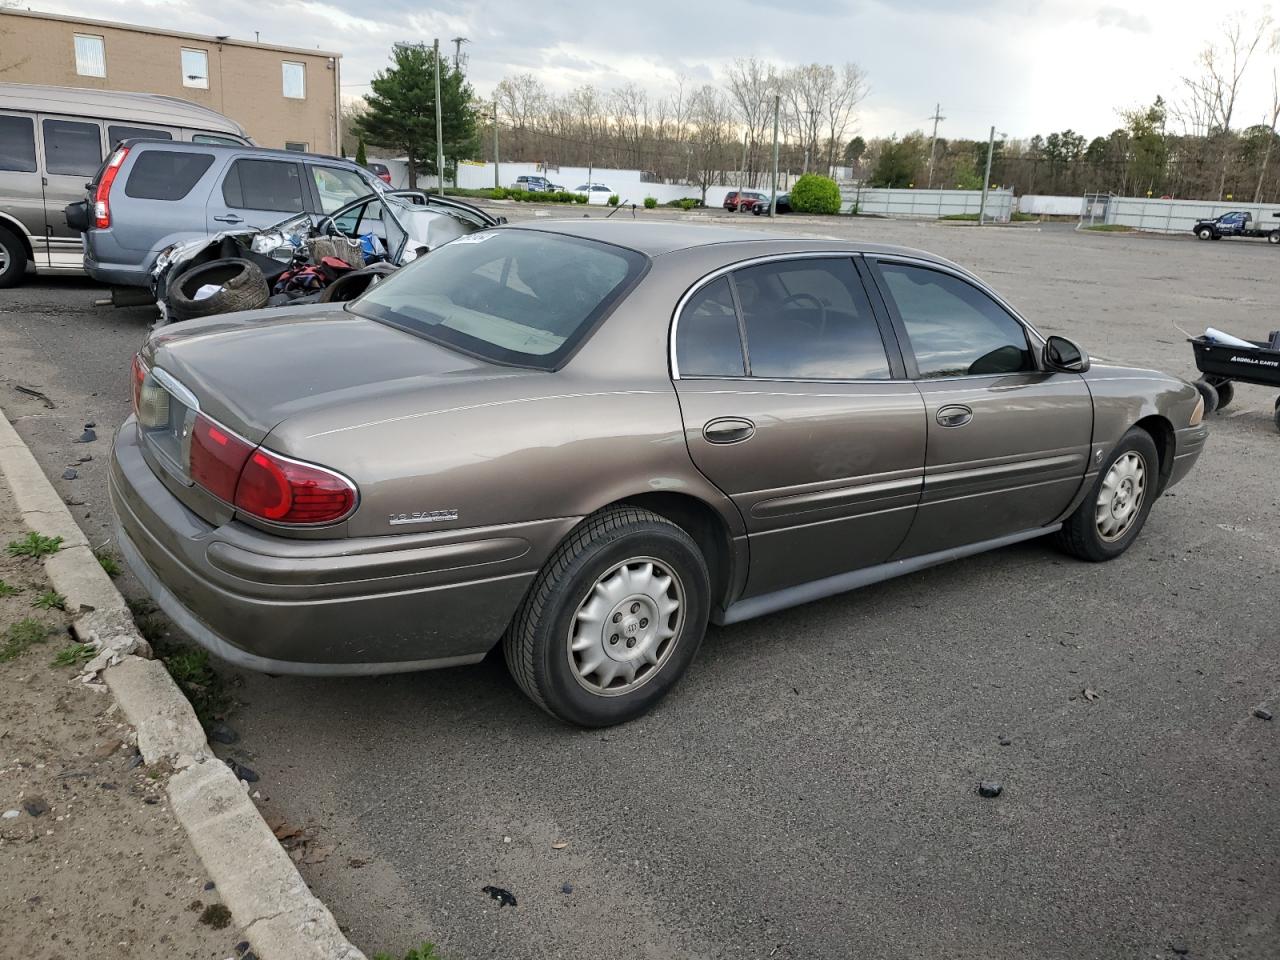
[{"x": 505, "y": 898}]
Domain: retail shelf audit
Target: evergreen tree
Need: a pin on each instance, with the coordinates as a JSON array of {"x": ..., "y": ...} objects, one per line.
[
  {"x": 361, "y": 157},
  {"x": 401, "y": 110}
]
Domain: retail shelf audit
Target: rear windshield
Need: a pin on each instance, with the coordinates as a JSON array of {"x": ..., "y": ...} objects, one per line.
[
  {"x": 166, "y": 174},
  {"x": 513, "y": 296}
]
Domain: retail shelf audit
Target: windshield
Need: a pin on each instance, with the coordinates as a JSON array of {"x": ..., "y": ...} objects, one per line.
[{"x": 513, "y": 296}]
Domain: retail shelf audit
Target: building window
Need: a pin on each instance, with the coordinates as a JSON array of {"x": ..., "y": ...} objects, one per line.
[
  {"x": 295, "y": 80},
  {"x": 91, "y": 56},
  {"x": 195, "y": 68},
  {"x": 297, "y": 145}
]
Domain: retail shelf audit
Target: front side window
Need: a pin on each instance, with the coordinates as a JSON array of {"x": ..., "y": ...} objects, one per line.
[
  {"x": 264, "y": 185},
  {"x": 295, "y": 80},
  {"x": 17, "y": 144},
  {"x": 166, "y": 174},
  {"x": 338, "y": 187},
  {"x": 522, "y": 297},
  {"x": 195, "y": 68},
  {"x": 809, "y": 319},
  {"x": 91, "y": 55},
  {"x": 72, "y": 148},
  {"x": 708, "y": 340},
  {"x": 955, "y": 330}
]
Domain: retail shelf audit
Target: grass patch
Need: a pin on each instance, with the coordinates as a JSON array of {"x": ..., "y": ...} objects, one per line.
[
  {"x": 34, "y": 545},
  {"x": 1110, "y": 227},
  {"x": 74, "y": 654},
  {"x": 190, "y": 669},
  {"x": 22, "y": 635},
  {"x": 8, "y": 590},
  {"x": 109, "y": 562},
  {"x": 425, "y": 952},
  {"x": 50, "y": 600}
]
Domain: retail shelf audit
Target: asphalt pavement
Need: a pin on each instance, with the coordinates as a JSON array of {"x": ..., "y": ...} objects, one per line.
[{"x": 809, "y": 790}]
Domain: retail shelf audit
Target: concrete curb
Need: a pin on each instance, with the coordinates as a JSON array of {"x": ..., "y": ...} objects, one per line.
[{"x": 267, "y": 896}]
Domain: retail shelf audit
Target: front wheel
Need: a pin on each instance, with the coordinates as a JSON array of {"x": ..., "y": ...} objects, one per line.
[
  {"x": 1204, "y": 233},
  {"x": 1109, "y": 519},
  {"x": 612, "y": 621},
  {"x": 13, "y": 259}
]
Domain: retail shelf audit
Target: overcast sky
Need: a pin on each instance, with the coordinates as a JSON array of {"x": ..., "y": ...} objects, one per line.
[{"x": 1026, "y": 66}]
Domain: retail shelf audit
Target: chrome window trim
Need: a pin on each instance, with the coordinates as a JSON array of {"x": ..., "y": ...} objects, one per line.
[{"x": 719, "y": 272}]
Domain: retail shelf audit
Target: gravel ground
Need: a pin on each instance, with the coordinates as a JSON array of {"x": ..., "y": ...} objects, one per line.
[
  {"x": 92, "y": 861},
  {"x": 811, "y": 786}
]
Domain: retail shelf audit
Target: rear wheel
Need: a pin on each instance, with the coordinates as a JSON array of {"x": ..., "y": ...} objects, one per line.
[
  {"x": 1273, "y": 236},
  {"x": 13, "y": 259},
  {"x": 612, "y": 621},
  {"x": 1111, "y": 516}
]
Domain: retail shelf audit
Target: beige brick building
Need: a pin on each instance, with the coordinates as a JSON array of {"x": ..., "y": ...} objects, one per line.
[{"x": 284, "y": 97}]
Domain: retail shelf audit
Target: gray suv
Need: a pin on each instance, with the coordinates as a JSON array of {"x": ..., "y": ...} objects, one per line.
[{"x": 151, "y": 194}]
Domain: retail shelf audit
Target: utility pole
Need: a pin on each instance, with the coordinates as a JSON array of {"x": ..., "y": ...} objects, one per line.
[
  {"x": 773, "y": 182},
  {"x": 986, "y": 178},
  {"x": 457, "y": 52},
  {"x": 937, "y": 116},
  {"x": 439, "y": 123},
  {"x": 496, "y": 182},
  {"x": 742, "y": 174}
]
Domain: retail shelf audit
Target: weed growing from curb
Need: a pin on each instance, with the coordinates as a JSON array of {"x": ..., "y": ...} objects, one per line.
[
  {"x": 191, "y": 672},
  {"x": 425, "y": 952},
  {"x": 34, "y": 545},
  {"x": 108, "y": 562},
  {"x": 50, "y": 600},
  {"x": 74, "y": 655},
  {"x": 7, "y": 590},
  {"x": 23, "y": 634}
]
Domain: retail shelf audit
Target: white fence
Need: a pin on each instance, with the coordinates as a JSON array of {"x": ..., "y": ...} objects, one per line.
[
  {"x": 1049, "y": 206},
  {"x": 1179, "y": 216},
  {"x": 927, "y": 204}
]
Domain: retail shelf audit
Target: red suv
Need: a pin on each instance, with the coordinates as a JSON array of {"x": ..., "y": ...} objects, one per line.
[{"x": 749, "y": 199}]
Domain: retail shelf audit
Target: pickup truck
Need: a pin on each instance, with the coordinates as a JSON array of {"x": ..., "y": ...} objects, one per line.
[{"x": 1237, "y": 223}]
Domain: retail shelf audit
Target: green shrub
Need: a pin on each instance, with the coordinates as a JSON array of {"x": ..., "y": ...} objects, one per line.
[
  {"x": 688, "y": 203},
  {"x": 498, "y": 193},
  {"x": 580, "y": 198},
  {"x": 613, "y": 199},
  {"x": 815, "y": 194},
  {"x": 650, "y": 202},
  {"x": 361, "y": 157}
]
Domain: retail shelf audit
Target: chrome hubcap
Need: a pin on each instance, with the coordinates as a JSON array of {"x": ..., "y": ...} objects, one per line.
[
  {"x": 4, "y": 259},
  {"x": 626, "y": 627},
  {"x": 1120, "y": 499}
]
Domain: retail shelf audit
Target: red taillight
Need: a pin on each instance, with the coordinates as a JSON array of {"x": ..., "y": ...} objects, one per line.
[
  {"x": 286, "y": 491},
  {"x": 217, "y": 457},
  {"x": 139, "y": 374},
  {"x": 384, "y": 177},
  {"x": 102, "y": 196}
]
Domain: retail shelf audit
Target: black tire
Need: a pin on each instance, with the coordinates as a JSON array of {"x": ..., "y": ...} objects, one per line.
[
  {"x": 242, "y": 282},
  {"x": 1273, "y": 236},
  {"x": 14, "y": 257},
  {"x": 537, "y": 642},
  {"x": 1210, "y": 394},
  {"x": 1080, "y": 535},
  {"x": 1204, "y": 233},
  {"x": 1226, "y": 393},
  {"x": 1277, "y": 417}
]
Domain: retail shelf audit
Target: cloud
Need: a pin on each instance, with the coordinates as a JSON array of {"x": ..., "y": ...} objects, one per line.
[{"x": 1122, "y": 19}]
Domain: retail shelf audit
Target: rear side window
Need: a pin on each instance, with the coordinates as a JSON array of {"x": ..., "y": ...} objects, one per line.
[
  {"x": 809, "y": 320},
  {"x": 955, "y": 329},
  {"x": 17, "y": 144},
  {"x": 72, "y": 148},
  {"x": 117, "y": 132},
  {"x": 708, "y": 342},
  {"x": 166, "y": 175},
  {"x": 264, "y": 185}
]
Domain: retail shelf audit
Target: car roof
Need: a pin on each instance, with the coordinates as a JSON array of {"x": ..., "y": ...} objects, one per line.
[
  {"x": 240, "y": 148},
  {"x": 656, "y": 239},
  {"x": 121, "y": 106}
]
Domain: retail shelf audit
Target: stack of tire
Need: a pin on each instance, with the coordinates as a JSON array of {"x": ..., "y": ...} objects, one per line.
[{"x": 241, "y": 286}]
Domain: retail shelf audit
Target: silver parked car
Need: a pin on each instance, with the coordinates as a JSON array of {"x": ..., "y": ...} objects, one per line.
[
  {"x": 53, "y": 139},
  {"x": 585, "y": 440}
]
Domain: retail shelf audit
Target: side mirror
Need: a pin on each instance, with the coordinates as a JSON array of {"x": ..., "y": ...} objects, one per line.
[{"x": 1064, "y": 355}]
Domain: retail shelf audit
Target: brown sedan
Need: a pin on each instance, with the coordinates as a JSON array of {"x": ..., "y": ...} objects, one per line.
[{"x": 587, "y": 439}]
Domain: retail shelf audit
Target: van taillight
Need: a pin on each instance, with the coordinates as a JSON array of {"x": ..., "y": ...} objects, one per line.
[
  {"x": 264, "y": 484},
  {"x": 102, "y": 197}
]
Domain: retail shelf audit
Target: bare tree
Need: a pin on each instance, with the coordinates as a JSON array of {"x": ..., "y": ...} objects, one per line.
[
  {"x": 806, "y": 91},
  {"x": 523, "y": 100},
  {"x": 1275, "y": 118},
  {"x": 1209, "y": 102},
  {"x": 751, "y": 84},
  {"x": 849, "y": 89},
  {"x": 711, "y": 118}
]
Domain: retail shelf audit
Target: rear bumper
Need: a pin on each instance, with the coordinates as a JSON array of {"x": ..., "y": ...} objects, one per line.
[
  {"x": 341, "y": 607},
  {"x": 115, "y": 274}
]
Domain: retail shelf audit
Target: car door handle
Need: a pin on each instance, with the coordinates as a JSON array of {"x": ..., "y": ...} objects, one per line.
[
  {"x": 954, "y": 415},
  {"x": 728, "y": 430},
  {"x": 229, "y": 218}
]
